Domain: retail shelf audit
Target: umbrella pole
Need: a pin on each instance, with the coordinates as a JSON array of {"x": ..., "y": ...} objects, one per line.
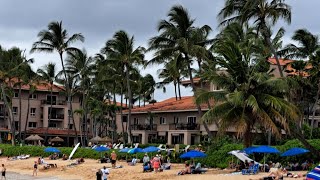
[{"x": 264, "y": 162}]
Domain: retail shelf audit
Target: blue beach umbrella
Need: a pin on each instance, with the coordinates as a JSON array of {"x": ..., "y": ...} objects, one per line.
[
  {"x": 101, "y": 149},
  {"x": 151, "y": 149},
  {"x": 314, "y": 174},
  {"x": 135, "y": 150},
  {"x": 193, "y": 154},
  {"x": 294, "y": 151},
  {"x": 124, "y": 150},
  {"x": 52, "y": 149},
  {"x": 265, "y": 150},
  {"x": 248, "y": 149}
]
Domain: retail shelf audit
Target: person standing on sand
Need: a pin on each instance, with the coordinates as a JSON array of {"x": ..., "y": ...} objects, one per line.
[
  {"x": 3, "y": 172},
  {"x": 113, "y": 159},
  {"x": 105, "y": 173},
  {"x": 35, "y": 168}
]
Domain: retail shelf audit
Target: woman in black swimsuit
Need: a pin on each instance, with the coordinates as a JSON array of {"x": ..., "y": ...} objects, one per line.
[{"x": 35, "y": 168}]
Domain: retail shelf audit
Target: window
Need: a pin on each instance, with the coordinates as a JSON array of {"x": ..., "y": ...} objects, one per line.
[
  {"x": 162, "y": 120},
  {"x": 32, "y": 111},
  {"x": 32, "y": 125},
  {"x": 176, "y": 120},
  {"x": 69, "y": 113},
  {"x": 71, "y": 98},
  {"x": 135, "y": 121},
  {"x": 70, "y": 126},
  {"x": 15, "y": 110},
  {"x": 16, "y": 124},
  {"x": 32, "y": 96},
  {"x": 54, "y": 125},
  {"x": 16, "y": 95},
  {"x": 192, "y": 120},
  {"x": 124, "y": 118}
]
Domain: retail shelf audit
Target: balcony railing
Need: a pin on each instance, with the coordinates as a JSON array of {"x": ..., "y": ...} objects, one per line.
[
  {"x": 182, "y": 126},
  {"x": 47, "y": 102},
  {"x": 56, "y": 116},
  {"x": 149, "y": 127}
]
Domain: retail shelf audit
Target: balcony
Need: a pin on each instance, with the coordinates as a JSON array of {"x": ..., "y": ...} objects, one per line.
[
  {"x": 181, "y": 126},
  {"x": 56, "y": 116},
  {"x": 143, "y": 127},
  {"x": 46, "y": 102}
]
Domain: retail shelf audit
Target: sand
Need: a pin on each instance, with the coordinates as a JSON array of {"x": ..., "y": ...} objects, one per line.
[{"x": 87, "y": 170}]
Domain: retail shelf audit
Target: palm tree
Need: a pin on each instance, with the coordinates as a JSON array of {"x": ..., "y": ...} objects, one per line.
[
  {"x": 261, "y": 13},
  {"x": 49, "y": 74},
  {"x": 179, "y": 36},
  {"x": 81, "y": 66},
  {"x": 121, "y": 49},
  {"x": 250, "y": 95},
  {"x": 56, "y": 38}
]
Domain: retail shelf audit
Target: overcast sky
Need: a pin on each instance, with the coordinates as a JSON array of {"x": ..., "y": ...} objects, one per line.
[{"x": 98, "y": 20}]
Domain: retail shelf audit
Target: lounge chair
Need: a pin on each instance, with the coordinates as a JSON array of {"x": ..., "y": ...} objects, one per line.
[
  {"x": 198, "y": 169},
  {"x": 186, "y": 148},
  {"x": 136, "y": 145},
  {"x": 252, "y": 170},
  {"x": 117, "y": 146},
  {"x": 121, "y": 146}
]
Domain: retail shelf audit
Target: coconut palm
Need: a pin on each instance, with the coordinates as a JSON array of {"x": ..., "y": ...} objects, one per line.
[
  {"x": 56, "y": 38},
  {"x": 81, "y": 66},
  {"x": 251, "y": 97},
  {"x": 121, "y": 49},
  {"x": 179, "y": 36},
  {"x": 262, "y": 13},
  {"x": 49, "y": 75}
]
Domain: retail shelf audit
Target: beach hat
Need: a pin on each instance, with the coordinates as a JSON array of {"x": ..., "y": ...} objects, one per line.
[{"x": 145, "y": 154}]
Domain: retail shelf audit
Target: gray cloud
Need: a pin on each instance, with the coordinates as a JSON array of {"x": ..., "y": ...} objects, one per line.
[{"x": 21, "y": 20}]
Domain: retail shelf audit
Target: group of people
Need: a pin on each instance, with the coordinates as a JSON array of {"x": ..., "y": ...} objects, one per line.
[
  {"x": 102, "y": 174},
  {"x": 155, "y": 164}
]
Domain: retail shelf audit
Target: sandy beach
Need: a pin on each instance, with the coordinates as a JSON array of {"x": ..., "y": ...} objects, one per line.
[{"x": 87, "y": 170}]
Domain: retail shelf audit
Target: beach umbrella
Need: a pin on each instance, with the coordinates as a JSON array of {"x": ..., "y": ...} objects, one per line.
[
  {"x": 38, "y": 138},
  {"x": 96, "y": 139},
  {"x": 265, "y": 150},
  {"x": 52, "y": 149},
  {"x": 248, "y": 149},
  {"x": 106, "y": 139},
  {"x": 135, "y": 150},
  {"x": 30, "y": 138},
  {"x": 124, "y": 150},
  {"x": 57, "y": 139},
  {"x": 294, "y": 151},
  {"x": 314, "y": 174},
  {"x": 101, "y": 149},
  {"x": 151, "y": 149},
  {"x": 193, "y": 154}
]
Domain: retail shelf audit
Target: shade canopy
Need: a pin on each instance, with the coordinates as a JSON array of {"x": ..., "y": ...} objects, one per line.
[
  {"x": 151, "y": 149},
  {"x": 96, "y": 139},
  {"x": 34, "y": 138},
  {"x": 248, "y": 149},
  {"x": 57, "y": 139},
  {"x": 106, "y": 139},
  {"x": 135, "y": 150},
  {"x": 124, "y": 150},
  {"x": 52, "y": 149},
  {"x": 295, "y": 151},
  {"x": 101, "y": 149},
  {"x": 193, "y": 154},
  {"x": 263, "y": 149}
]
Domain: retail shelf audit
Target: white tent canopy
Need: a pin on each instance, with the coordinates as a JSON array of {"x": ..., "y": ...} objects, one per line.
[{"x": 242, "y": 156}]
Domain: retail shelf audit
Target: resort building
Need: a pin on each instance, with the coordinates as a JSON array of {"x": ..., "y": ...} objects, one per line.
[{"x": 37, "y": 121}]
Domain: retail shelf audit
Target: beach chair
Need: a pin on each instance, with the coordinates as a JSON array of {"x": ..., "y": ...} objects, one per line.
[
  {"x": 252, "y": 170},
  {"x": 136, "y": 145},
  {"x": 117, "y": 146},
  {"x": 114, "y": 144}
]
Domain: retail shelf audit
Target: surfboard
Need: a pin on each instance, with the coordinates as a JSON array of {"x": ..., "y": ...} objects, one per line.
[{"x": 74, "y": 150}]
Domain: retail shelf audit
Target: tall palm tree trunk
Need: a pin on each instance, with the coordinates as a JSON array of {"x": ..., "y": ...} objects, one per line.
[
  {"x": 175, "y": 90},
  {"x": 69, "y": 100},
  {"x": 20, "y": 110},
  {"x": 210, "y": 135},
  {"x": 11, "y": 118},
  {"x": 121, "y": 116},
  {"x": 50, "y": 114},
  {"x": 27, "y": 117},
  {"x": 315, "y": 106},
  {"x": 130, "y": 101},
  {"x": 179, "y": 91}
]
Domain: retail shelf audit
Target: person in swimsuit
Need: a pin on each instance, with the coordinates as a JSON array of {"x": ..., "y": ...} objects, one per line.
[
  {"x": 35, "y": 168},
  {"x": 3, "y": 172},
  {"x": 113, "y": 159}
]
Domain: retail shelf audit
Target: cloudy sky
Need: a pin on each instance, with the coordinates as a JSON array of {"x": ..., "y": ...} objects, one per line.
[{"x": 98, "y": 20}]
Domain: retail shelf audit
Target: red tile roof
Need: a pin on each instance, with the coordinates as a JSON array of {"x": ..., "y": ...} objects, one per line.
[
  {"x": 117, "y": 104},
  {"x": 51, "y": 131},
  {"x": 185, "y": 104},
  {"x": 282, "y": 62},
  {"x": 40, "y": 86}
]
